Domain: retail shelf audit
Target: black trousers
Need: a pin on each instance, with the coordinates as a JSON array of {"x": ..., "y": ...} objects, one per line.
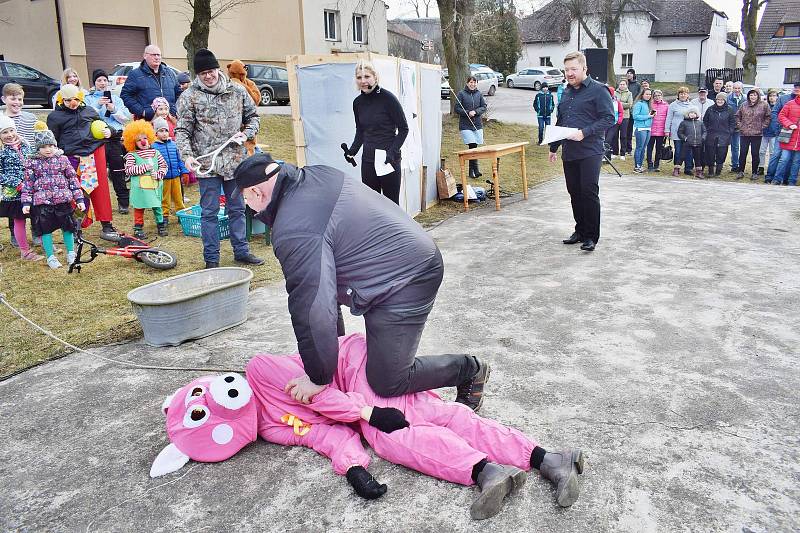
[
  {"x": 394, "y": 328},
  {"x": 716, "y": 153},
  {"x": 624, "y": 137},
  {"x": 583, "y": 184},
  {"x": 658, "y": 144},
  {"x": 754, "y": 143},
  {"x": 629, "y": 135},
  {"x": 697, "y": 154},
  {"x": 388, "y": 185},
  {"x": 612, "y": 139},
  {"x": 115, "y": 154}
]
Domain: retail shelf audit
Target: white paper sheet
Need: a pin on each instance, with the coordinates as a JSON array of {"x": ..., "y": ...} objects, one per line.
[
  {"x": 556, "y": 133},
  {"x": 381, "y": 167}
]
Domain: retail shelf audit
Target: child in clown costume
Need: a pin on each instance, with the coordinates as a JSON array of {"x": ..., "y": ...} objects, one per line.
[
  {"x": 146, "y": 168},
  {"x": 212, "y": 418}
]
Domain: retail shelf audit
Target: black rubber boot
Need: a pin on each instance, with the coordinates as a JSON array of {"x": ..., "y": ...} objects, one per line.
[
  {"x": 162, "y": 229},
  {"x": 562, "y": 469},
  {"x": 138, "y": 232},
  {"x": 496, "y": 482}
]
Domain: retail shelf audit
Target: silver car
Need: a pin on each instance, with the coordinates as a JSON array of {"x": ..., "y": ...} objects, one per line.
[
  {"x": 534, "y": 77},
  {"x": 487, "y": 83}
]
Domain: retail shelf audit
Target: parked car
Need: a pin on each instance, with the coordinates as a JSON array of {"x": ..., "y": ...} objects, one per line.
[
  {"x": 500, "y": 77},
  {"x": 534, "y": 77},
  {"x": 272, "y": 82},
  {"x": 487, "y": 83},
  {"x": 39, "y": 88},
  {"x": 118, "y": 74}
]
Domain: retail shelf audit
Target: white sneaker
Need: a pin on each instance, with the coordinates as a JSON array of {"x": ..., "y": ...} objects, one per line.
[
  {"x": 622, "y": 158},
  {"x": 70, "y": 257},
  {"x": 613, "y": 156},
  {"x": 53, "y": 262}
]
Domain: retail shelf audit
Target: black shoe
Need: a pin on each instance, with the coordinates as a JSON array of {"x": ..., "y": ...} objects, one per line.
[
  {"x": 109, "y": 232},
  {"x": 212, "y": 264},
  {"x": 122, "y": 210},
  {"x": 760, "y": 171},
  {"x": 573, "y": 239},
  {"x": 470, "y": 393},
  {"x": 718, "y": 172},
  {"x": 162, "y": 229},
  {"x": 249, "y": 259},
  {"x": 478, "y": 174},
  {"x": 588, "y": 245},
  {"x": 139, "y": 233}
]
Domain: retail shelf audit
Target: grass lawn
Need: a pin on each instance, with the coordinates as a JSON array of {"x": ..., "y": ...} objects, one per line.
[{"x": 91, "y": 308}]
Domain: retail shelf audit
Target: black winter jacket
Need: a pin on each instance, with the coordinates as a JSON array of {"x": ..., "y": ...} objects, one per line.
[
  {"x": 720, "y": 122},
  {"x": 72, "y": 129},
  {"x": 470, "y": 101},
  {"x": 692, "y": 132},
  {"x": 380, "y": 124}
]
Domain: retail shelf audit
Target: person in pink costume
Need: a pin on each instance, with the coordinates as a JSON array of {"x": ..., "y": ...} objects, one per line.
[
  {"x": 658, "y": 131},
  {"x": 212, "y": 418}
]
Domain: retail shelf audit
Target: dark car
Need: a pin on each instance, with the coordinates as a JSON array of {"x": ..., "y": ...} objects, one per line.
[
  {"x": 39, "y": 88},
  {"x": 272, "y": 82}
]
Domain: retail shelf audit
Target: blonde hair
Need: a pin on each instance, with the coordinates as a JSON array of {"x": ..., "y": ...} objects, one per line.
[
  {"x": 366, "y": 65},
  {"x": 13, "y": 89},
  {"x": 578, "y": 56},
  {"x": 66, "y": 74},
  {"x": 683, "y": 90}
]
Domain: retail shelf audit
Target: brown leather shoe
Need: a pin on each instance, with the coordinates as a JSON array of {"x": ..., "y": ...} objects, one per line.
[{"x": 470, "y": 393}]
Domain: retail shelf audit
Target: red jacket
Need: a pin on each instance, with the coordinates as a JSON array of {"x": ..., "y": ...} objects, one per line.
[{"x": 790, "y": 114}]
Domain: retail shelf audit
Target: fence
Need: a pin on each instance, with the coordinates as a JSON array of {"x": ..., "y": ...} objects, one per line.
[{"x": 726, "y": 74}]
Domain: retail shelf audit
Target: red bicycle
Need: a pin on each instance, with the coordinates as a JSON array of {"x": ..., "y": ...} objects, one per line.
[{"x": 128, "y": 247}]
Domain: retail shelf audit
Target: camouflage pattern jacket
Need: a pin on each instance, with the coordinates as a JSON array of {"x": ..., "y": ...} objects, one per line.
[{"x": 209, "y": 116}]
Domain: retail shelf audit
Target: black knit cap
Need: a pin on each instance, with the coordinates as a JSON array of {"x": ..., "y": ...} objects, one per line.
[
  {"x": 251, "y": 171},
  {"x": 204, "y": 59},
  {"x": 98, "y": 73}
]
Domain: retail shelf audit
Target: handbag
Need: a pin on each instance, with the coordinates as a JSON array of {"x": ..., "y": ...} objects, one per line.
[
  {"x": 666, "y": 152},
  {"x": 785, "y": 135}
]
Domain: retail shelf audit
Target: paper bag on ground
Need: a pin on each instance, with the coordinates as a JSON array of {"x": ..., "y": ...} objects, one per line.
[{"x": 445, "y": 184}]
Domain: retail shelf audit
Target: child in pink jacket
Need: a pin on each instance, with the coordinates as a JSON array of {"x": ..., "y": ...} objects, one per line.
[{"x": 443, "y": 439}]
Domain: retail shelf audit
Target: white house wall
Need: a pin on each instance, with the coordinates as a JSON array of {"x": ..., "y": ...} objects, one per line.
[
  {"x": 770, "y": 70},
  {"x": 314, "y": 26},
  {"x": 633, "y": 39}
]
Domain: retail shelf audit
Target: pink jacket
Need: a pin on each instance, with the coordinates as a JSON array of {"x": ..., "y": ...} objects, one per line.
[
  {"x": 660, "y": 119},
  {"x": 790, "y": 114},
  {"x": 208, "y": 421}
]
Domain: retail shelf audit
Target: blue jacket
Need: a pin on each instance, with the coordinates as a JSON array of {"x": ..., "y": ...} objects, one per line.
[
  {"x": 143, "y": 86},
  {"x": 543, "y": 103},
  {"x": 169, "y": 151},
  {"x": 116, "y": 120},
  {"x": 642, "y": 119},
  {"x": 774, "y": 127}
]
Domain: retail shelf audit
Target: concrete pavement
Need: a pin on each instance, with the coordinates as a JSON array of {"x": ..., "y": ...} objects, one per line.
[{"x": 669, "y": 355}]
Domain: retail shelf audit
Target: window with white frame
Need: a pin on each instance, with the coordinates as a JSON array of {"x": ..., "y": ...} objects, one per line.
[
  {"x": 331, "y": 25},
  {"x": 627, "y": 60},
  {"x": 359, "y": 28},
  {"x": 544, "y": 61}
]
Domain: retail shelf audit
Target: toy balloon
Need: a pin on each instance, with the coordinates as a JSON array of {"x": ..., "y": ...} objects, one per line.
[{"x": 98, "y": 127}]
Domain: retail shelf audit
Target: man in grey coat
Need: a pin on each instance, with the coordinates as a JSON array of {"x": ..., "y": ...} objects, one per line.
[{"x": 340, "y": 243}]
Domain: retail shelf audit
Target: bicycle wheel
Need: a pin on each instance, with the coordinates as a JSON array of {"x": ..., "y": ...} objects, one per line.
[{"x": 156, "y": 258}]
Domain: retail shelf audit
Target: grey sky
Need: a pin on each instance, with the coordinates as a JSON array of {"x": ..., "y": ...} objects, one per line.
[{"x": 404, "y": 9}]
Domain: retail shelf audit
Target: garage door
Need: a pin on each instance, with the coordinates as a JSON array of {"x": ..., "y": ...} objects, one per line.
[
  {"x": 108, "y": 45},
  {"x": 671, "y": 65}
]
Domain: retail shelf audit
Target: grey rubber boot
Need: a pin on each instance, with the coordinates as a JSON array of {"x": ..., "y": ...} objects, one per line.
[
  {"x": 496, "y": 482},
  {"x": 562, "y": 469}
]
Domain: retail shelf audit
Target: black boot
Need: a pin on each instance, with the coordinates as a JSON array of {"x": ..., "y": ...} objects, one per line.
[
  {"x": 138, "y": 231},
  {"x": 162, "y": 229},
  {"x": 562, "y": 469},
  {"x": 109, "y": 232},
  {"x": 496, "y": 482}
]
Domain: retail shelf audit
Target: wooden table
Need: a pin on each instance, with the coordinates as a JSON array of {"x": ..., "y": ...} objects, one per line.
[{"x": 493, "y": 152}]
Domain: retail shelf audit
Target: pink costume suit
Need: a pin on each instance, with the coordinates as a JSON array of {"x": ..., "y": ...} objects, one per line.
[{"x": 444, "y": 440}]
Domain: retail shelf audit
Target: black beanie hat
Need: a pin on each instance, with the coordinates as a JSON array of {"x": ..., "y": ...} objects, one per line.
[
  {"x": 98, "y": 73},
  {"x": 204, "y": 60},
  {"x": 251, "y": 171}
]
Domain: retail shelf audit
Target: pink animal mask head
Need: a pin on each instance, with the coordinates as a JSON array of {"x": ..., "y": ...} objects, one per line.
[{"x": 208, "y": 420}]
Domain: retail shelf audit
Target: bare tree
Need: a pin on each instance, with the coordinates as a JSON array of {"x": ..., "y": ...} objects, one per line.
[
  {"x": 204, "y": 13},
  {"x": 456, "y": 20},
  {"x": 417, "y": 4},
  {"x": 749, "y": 28}
]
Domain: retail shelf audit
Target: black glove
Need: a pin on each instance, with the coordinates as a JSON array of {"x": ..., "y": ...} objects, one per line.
[
  {"x": 387, "y": 419},
  {"x": 364, "y": 484}
]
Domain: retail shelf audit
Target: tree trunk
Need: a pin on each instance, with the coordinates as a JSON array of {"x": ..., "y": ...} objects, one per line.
[
  {"x": 749, "y": 27},
  {"x": 456, "y": 20},
  {"x": 198, "y": 31},
  {"x": 611, "y": 45}
]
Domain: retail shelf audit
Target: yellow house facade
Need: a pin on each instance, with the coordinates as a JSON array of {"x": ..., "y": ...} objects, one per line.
[{"x": 50, "y": 35}]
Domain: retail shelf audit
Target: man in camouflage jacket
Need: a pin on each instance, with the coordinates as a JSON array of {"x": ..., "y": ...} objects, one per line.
[{"x": 210, "y": 112}]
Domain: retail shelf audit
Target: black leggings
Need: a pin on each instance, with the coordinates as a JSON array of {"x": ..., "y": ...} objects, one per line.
[
  {"x": 754, "y": 143},
  {"x": 115, "y": 153},
  {"x": 658, "y": 143},
  {"x": 388, "y": 185}
]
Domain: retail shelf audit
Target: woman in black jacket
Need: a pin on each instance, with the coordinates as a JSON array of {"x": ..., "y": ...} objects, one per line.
[
  {"x": 720, "y": 122},
  {"x": 380, "y": 125},
  {"x": 71, "y": 123},
  {"x": 470, "y": 105}
]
